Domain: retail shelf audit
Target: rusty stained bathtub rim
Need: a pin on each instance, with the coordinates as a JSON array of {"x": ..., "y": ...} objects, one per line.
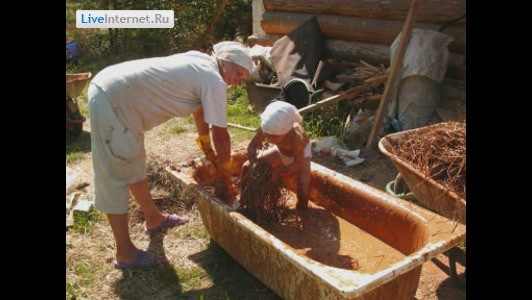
[{"x": 348, "y": 283}]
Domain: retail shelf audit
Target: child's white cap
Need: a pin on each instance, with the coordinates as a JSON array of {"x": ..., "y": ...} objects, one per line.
[{"x": 279, "y": 117}]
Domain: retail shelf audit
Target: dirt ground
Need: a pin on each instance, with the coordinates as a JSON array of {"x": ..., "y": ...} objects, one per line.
[{"x": 377, "y": 170}]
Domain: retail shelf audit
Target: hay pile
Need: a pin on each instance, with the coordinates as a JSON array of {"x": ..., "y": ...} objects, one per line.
[
  {"x": 439, "y": 153},
  {"x": 166, "y": 192},
  {"x": 160, "y": 182},
  {"x": 262, "y": 201},
  {"x": 167, "y": 195}
]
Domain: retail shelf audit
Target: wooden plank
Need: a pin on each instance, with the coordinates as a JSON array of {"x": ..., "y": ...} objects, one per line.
[
  {"x": 430, "y": 11},
  {"x": 349, "y": 94},
  {"x": 397, "y": 62},
  {"x": 242, "y": 127},
  {"x": 358, "y": 29}
]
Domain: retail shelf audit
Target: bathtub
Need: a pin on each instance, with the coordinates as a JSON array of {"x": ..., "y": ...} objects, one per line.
[{"x": 373, "y": 245}]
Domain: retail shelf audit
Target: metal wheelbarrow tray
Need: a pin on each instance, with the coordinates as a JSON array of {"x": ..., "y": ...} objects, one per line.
[
  {"x": 75, "y": 84},
  {"x": 427, "y": 191},
  {"x": 406, "y": 236}
]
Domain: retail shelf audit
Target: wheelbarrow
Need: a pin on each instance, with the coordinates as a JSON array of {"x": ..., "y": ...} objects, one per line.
[
  {"x": 75, "y": 84},
  {"x": 427, "y": 191}
]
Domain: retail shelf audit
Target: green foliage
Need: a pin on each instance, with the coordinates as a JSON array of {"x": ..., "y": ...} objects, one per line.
[
  {"x": 237, "y": 95},
  {"x": 103, "y": 47},
  {"x": 84, "y": 221},
  {"x": 238, "y": 113},
  {"x": 190, "y": 120},
  {"x": 235, "y": 21},
  {"x": 237, "y": 107},
  {"x": 73, "y": 156},
  {"x": 177, "y": 130},
  {"x": 462, "y": 246},
  {"x": 325, "y": 122},
  {"x": 73, "y": 290}
]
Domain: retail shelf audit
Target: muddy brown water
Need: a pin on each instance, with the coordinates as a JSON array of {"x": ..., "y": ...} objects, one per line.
[
  {"x": 329, "y": 239},
  {"x": 333, "y": 241}
]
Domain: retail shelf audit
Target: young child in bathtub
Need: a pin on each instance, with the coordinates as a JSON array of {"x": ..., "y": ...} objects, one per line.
[{"x": 291, "y": 151}]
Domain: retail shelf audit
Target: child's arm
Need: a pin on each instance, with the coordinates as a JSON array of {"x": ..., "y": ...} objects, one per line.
[
  {"x": 301, "y": 170},
  {"x": 298, "y": 146},
  {"x": 254, "y": 144}
]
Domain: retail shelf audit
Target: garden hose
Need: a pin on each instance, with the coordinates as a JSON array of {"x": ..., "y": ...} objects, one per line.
[{"x": 406, "y": 196}]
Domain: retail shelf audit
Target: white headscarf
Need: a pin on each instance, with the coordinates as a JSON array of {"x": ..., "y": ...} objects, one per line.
[
  {"x": 279, "y": 117},
  {"x": 233, "y": 52}
]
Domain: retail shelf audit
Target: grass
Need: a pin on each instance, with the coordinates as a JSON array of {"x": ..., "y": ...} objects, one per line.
[
  {"x": 238, "y": 113},
  {"x": 237, "y": 108},
  {"x": 325, "y": 122},
  {"x": 177, "y": 129},
  {"x": 74, "y": 156},
  {"x": 85, "y": 221}
]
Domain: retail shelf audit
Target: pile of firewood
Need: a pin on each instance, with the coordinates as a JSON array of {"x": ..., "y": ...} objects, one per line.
[{"x": 374, "y": 78}]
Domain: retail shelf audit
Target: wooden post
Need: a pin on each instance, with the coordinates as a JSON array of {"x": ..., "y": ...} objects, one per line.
[{"x": 397, "y": 62}]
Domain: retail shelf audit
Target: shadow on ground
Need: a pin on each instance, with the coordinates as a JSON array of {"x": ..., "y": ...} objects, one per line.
[
  {"x": 81, "y": 143},
  {"x": 230, "y": 280},
  {"x": 159, "y": 282}
]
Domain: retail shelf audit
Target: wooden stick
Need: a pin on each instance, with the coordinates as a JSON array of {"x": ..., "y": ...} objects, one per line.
[
  {"x": 369, "y": 66},
  {"x": 397, "y": 62},
  {"x": 353, "y": 76},
  {"x": 376, "y": 80},
  {"x": 370, "y": 98},
  {"x": 242, "y": 127},
  {"x": 334, "y": 99}
]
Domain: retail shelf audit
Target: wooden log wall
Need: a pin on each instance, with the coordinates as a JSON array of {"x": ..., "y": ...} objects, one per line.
[
  {"x": 430, "y": 11},
  {"x": 365, "y": 29},
  {"x": 357, "y": 29}
]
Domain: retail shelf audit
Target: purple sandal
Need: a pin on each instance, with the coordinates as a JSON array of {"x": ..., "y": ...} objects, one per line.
[{"x": 169, "y": 221}]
